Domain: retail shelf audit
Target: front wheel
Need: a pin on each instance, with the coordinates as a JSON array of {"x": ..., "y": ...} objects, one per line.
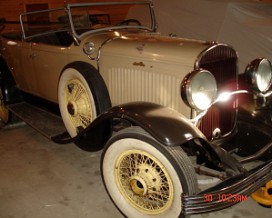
[{"x": 144, "y": 177}]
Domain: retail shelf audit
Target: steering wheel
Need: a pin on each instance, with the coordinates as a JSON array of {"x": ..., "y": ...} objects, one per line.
[{"x": 126, "y": 22}]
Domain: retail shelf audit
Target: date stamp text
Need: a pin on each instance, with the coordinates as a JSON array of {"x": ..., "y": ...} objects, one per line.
[{"x": 235, "y": 198}]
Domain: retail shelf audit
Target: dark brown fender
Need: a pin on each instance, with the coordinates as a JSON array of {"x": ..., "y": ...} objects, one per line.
[{"x": 164, "y": 124}]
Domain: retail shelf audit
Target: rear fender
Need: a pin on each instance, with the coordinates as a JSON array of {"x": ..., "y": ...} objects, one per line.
[{"x": 7, "y": 84}]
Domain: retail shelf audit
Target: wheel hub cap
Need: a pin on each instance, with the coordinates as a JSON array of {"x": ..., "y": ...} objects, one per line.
[
  {"x": 71, "y": 109},
  {"x": 78, "y": 103},
  {"x": 138, "y": 186}
]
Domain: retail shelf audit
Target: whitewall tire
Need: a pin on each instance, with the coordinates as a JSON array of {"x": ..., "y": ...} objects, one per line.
[
  {"x": 76, "y": 101},
  {"x": 4, "y": 113},
  {"x": 143, "y": 177},
  {"x": 82, "y": 96}
]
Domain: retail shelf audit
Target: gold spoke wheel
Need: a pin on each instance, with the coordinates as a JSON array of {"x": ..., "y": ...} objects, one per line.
[
  {"x": 78, "y": 104},
  {"x": 82, "y": 95},
  {"x": 4, "y": 113},
  {"x": 143, "y": 180}
]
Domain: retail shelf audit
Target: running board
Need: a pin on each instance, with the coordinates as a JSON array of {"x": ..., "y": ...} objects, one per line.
[{"x": 46, "y": 123}]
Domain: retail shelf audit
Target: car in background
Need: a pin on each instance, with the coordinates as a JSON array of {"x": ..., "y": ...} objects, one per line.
[{"x": 164, "y": 110}]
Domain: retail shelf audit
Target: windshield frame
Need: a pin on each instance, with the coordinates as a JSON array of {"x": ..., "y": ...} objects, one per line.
[
  {"x": 22, "y": 22},
  {"x": 68, "y": 10},
  {"x": 146, "y": 2}
]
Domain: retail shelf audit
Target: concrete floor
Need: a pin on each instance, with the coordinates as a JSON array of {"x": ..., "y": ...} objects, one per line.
[{"x": 41, "y": 179}]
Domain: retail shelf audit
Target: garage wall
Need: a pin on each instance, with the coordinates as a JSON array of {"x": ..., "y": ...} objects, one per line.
[{"x": 11, "y": 9}]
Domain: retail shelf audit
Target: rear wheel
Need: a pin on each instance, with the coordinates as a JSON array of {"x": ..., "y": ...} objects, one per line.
[
  {"x": 146, "y": 178},
  {"x": 4, "y": 112}
]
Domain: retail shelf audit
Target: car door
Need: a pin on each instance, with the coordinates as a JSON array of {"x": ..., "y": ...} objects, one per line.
[
  {"x": 18, "y": 57},
  {"x": 48, "y": 62},
  {"x": 28, "y": 80}
]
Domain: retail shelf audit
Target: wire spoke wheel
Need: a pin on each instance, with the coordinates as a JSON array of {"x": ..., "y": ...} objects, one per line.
[
  {"x": 76, "y": 100},
  {"x": 82, "y": 96},
  {"x": 144, "y": 182},
  {"x": 78, "y": 104},
  {"x": 4, "y": 113},
  {"x": 145, "y": 178}
]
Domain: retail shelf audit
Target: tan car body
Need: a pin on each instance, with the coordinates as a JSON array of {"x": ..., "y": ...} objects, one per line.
[{"x": 132, "y": 65}]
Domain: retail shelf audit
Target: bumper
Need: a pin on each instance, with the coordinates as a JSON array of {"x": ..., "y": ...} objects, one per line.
[
  {"x": 228, "y": 192},
  {"x": 264, "y": 195}
]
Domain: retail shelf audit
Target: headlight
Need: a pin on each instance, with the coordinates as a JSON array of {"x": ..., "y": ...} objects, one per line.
[
  {"x": 259, "y": 73},
  {"x": 199, "y": 89}
]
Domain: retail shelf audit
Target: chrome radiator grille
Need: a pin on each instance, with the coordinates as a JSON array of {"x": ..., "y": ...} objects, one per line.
[{"x": 221, "y": 61}]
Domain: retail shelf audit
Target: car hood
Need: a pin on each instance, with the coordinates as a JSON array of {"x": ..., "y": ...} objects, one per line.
[
  {"x": 133, "y": 64},
  {"x": 153, "y": 46}
]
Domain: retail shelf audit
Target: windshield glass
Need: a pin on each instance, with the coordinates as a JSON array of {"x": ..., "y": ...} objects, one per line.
[{"x": 97, "y": 16}]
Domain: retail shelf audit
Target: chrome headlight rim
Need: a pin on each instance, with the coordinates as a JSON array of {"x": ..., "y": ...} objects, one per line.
[
  {"x": 199, "y": 89},
  {"x": 259, "y": 74}
]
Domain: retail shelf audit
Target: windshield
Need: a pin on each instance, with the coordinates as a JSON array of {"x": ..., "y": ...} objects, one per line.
[
  {"x": 43, "y": 22},
  {"x": 81, "y": 19},
  {"x": 114, "y": 15}
]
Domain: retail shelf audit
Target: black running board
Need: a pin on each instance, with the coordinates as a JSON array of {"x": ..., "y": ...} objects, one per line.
[{"x": 48, "y": 124}]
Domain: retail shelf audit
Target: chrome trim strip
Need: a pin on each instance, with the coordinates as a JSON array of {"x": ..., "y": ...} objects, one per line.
[{"x": 101, "y": 46}]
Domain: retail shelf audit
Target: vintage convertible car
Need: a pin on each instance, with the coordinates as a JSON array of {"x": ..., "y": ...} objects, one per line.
[{"x": 165, "y": 110}]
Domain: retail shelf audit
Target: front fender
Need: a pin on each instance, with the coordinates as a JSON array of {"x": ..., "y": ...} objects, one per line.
[
  {"x": 172, "y": 129},
  {"x": 164, "y": 124}
]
